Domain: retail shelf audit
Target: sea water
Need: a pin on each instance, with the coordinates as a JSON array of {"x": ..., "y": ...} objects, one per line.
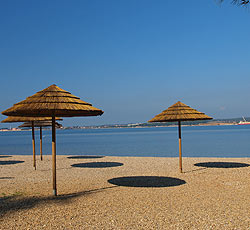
[{"x": 197, "y": 141}]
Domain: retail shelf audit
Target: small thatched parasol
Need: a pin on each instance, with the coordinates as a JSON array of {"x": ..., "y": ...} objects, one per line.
[
  {"x": 53, "y": 101},
  {"x": 180, "y": 112},
  {"x": 12, "y": 119},
  {"x": 40, "y": 124}
]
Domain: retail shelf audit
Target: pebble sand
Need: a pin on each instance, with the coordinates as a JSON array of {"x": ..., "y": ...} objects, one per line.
[{"x": 125, "y": 193}]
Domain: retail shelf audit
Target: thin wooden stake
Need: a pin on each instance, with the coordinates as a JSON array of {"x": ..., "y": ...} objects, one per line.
[
  {"x": 41, "y": 143},
  {"x": 180, "y": 154},
  {"x": 33, "y": 145},
  {"x": 54, "y": 155}
]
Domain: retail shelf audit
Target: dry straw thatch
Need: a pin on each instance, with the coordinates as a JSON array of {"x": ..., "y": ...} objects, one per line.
[
  {"x": 12, "y": 119},
  {"x": 32, "y": 121},
  {"x": 179, "y": 112},
  {"x": 39, "y": 124},
  {"x": 52, "y": 101}
]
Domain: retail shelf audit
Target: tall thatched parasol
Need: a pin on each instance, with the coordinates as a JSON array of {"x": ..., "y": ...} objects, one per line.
[
  {"x": 12, "y": 119},
  {"x": 40, "y": 124},
  {"x": 53, "y": 101},
  {"x": 180, "y": 112}
]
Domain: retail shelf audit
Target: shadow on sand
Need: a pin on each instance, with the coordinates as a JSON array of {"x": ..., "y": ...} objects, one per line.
[
  {"x": 222, "y": 165},
  {"x": 1, "y": 156},
  {"x": 15, "y": 203},
  {"x": 84, "y": 157},
  {"x": 6, "y": 178},
  {"x": 194, "y": 170},
  {"x": 97, "y": 165},
  {"x": 10, "y": 162},
  {"x": 147, "y": 181}
]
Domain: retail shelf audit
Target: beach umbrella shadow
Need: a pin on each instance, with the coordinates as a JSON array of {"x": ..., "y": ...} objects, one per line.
[
  {"x": 6, "y": 178},
  {"x": 17, "y": 202},
  {"x": 10, "y": 162},
  {"x": 147, "y": 181},
  {"x": 98, "y": 165},
  {"x": 84, "y": 157},
  {"x": 221, "y": 165}
]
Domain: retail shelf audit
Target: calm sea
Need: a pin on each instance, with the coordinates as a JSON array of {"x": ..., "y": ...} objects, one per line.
[{"x": 213, "y": 141}]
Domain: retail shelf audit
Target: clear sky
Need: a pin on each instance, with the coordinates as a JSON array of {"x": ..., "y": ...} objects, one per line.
[{"x": 130, "y": 58}]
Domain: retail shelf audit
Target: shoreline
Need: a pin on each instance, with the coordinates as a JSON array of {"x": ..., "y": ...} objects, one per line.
[
  {"x": 125, "y": 193},
  {"x": 117, "y": 156},
  {"x": 130, "y": 127}
]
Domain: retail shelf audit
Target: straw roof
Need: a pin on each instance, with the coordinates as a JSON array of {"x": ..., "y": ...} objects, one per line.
[
  {"x": 39, "y": 124},
  {"x": 11, "y": 119},
  {"x": 52, "y": 101},
  {"x": 180, "y": 112}
]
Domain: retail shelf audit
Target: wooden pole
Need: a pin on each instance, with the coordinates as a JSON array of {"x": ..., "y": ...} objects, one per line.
[
  {"x": 54, "y": 155},
  {"x": 33, "y": 145},
  {"x": 180, "y": 154},
  {"x": 41, "y": 143}
]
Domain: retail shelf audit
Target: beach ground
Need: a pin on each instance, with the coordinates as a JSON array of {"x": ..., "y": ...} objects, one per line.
[{"x": 125, "y": 193}]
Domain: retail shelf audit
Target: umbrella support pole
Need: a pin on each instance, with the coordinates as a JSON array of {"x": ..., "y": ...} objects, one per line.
[
  {"x": 54, "y": 155},
  {"x": 33, "y": 145},
  {"x": 180, "y": 153},
  {"x": 41, "y": 143}
]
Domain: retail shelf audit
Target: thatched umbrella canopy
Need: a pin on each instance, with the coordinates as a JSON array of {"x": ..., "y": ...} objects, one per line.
[
  {"x": 53, "y": 101},
  {"x": 40, "y": 124},
  {"x": 180, "y": 112},
  {"x": 12, "y": 119}
]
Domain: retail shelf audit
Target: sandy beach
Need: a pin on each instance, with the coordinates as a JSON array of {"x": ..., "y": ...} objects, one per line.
[{"x": 125, "y": 193}]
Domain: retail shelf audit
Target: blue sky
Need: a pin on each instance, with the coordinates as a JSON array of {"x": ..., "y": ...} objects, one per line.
[{"x": 130, "y": 58}]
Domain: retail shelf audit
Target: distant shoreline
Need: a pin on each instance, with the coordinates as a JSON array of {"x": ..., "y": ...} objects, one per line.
[
  {"x": 127, "y": 126},
  {"x": 214, "y": 122}
]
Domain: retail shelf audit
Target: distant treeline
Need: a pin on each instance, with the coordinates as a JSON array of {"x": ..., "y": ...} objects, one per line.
[{"x": 229, "y": 120}]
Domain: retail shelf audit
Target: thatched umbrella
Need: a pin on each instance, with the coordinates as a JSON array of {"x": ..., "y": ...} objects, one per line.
[
  {"x": 40, "y": 124},
  {"x": 180, "y": 112},
  {"x": 12, "y": 119},
  {"x": 53, "y": 101}
]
